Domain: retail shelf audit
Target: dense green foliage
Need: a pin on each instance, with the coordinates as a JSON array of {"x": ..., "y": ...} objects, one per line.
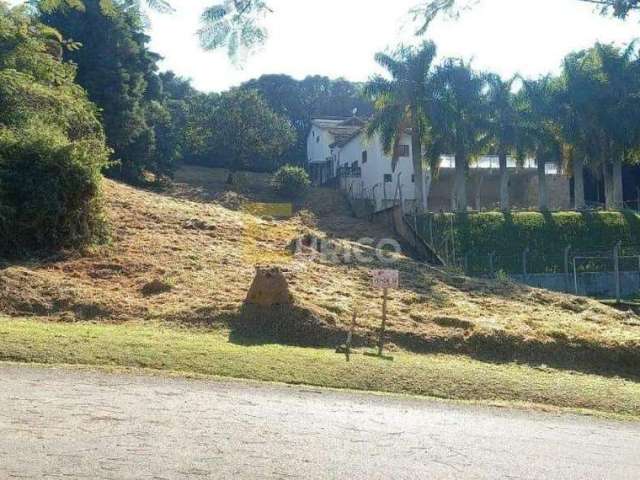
[
  {"x": 120, "y": 75},
  {"x": 52, "y": 147},
  {"x": 302, "y": 100},
  {"x": 291, "y": 182},
  {"x": 546, "y": 235},
  {"x": 237, "y": 130}
]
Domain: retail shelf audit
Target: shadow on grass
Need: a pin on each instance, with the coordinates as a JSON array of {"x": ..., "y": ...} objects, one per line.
[{"x": 298, "y": 326}]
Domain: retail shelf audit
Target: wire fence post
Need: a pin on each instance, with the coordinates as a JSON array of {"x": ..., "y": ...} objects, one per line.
[
  {"x": 453, "y": 241},
  {"x": 575, "y": 275},
  {"x": 466, "y": 263},
  {"x": 616, "y": 269},
  {"x": 525, "y": 253},
  {"x": 491, "y": 264},
  {"x": 566, "y": 268}
]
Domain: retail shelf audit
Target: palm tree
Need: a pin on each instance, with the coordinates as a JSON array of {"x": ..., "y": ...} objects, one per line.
[
  {"x": 400, "y": 108},
  {"x": 458, "y": 118},
  {"x": 503, "y": 128},
  {"x": 540, "y": 131},
  {"x": 577, "y": 108},
  {"x": 600, "y": 114},
  {"x": 618, "y": 112}
]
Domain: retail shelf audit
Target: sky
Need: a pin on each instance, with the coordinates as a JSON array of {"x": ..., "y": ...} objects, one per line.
[{"x": 339, "y": 38}]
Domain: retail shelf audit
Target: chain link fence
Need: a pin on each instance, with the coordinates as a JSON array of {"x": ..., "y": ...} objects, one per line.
[{"x": 611, "y": 270}]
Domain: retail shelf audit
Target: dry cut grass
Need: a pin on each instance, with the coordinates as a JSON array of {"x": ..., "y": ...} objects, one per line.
[{"x": 188, "y": 255}]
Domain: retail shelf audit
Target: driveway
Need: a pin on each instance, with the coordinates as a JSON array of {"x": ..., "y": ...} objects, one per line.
[{"x": 58, "y": 423}]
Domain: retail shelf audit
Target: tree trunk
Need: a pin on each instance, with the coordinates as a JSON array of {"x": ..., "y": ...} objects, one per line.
[
  {"x": 618, "y": 194},
  {"x": 461, "y": 182},
  {"x": 543, "y": 203},
  {"x": 504, "y": 182},
  {"x": 607, "y": 175},
  {"x": 578, "y": 183},
  {"x": 418, "y": 169}
]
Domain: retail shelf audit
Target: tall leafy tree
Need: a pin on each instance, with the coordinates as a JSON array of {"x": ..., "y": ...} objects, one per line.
[
  {"x": 540, "y": 131},
  {"x": 302, "y": 100},
  {"x": 116, "y": 68},
  {"x": 401, "y": 104},
  {"x": 577, "y": 114},
  {"x": 600, "y": 114},
  {"x": 502, "y": 128},
  {"x": 459, "y": 118},
  {"x": 239, "y": 131},
  {"x": 619, "y": 112},
  {"x": 52, "y": 145}
]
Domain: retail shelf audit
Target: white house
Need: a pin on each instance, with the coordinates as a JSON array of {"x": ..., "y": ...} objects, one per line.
[{"x": 340, "y": 151}]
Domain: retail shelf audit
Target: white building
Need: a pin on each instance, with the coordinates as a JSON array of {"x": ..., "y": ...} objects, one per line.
[{"x": 339, "y": 150}]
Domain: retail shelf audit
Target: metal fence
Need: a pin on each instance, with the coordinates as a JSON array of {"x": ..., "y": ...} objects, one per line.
[{"x": 604, "y": 270}]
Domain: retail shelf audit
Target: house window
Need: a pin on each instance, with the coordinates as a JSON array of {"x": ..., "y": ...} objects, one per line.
[
  {"x": 402, "y": 151},
  {"x": 354, "y": 164},
  {"x": 387, "y": 178},
  {"x": 413, "y": 179},
  {"x": 364, "y": 157},
  {"x": 318, "y": 139}
]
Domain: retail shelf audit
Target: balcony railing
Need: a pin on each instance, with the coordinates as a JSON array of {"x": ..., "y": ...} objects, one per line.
[{"x": 353, "y": 172}]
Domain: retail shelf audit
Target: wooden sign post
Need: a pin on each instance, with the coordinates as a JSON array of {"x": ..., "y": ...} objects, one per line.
[{"x": 384, "y": 280}]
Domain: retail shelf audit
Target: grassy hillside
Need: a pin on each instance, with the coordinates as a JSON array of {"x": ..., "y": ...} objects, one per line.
[
  {"x": 546, "y": 235},
  {"x": 187, "y": 257}
]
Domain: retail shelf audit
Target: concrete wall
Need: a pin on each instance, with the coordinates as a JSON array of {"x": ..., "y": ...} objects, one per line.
[
  {"x": 558, "y": 192},
  {"x": 600, "y": 284},
  {"x": 483, "y": 189}
]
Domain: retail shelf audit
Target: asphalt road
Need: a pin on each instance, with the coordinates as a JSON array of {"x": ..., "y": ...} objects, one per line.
[{"x": 57, "y": 423}]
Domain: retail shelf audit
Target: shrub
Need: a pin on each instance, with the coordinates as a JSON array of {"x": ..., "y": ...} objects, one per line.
[
  {"x": 49, "y": 190},
  {"x": 291, "y": 182}
]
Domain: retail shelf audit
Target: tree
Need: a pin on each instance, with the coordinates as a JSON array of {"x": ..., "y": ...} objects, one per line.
[
  {"x": 301, "y": 100},
  {"x": 502, "y": 128},
  {"x": 599, "y": 114},
  {"x": 458, "y": 116},
  {"x": 52, "y": 146},
  {"x": 577, "y": 115},
  {"x": 618, "y": 114},
  {"x": 116, "y": 68},
  {"x": 401, "y": 106},
  {"x": 240, "y": 132},
  {"x": 540, "y": 132},
  {"x": 428, "y": 11}
]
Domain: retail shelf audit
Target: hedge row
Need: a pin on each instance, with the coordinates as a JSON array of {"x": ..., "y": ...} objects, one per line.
[{"x": 546, "y": 235}]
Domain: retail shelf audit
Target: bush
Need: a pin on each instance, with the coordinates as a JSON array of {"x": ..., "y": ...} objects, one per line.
[
  {"x": 291, "y": 182},
  {"x": 49, "y": 190}
]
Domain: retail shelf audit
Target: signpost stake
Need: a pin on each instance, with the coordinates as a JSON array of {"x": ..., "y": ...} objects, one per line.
[{"x": 384, "y": 321}]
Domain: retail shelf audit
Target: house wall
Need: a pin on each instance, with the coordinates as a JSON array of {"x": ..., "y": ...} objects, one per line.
[
  {"x": 318, "y": 151},
  {"x": 378, "y": 165}
]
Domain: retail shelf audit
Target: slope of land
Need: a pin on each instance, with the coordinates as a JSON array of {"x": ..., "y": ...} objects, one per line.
[{"x": 187, "y": 256}]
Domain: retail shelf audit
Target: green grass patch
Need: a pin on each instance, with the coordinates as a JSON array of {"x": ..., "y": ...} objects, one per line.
[
  {"x": 212, "y": 353},
  {"x": 545, "y": 234}
]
